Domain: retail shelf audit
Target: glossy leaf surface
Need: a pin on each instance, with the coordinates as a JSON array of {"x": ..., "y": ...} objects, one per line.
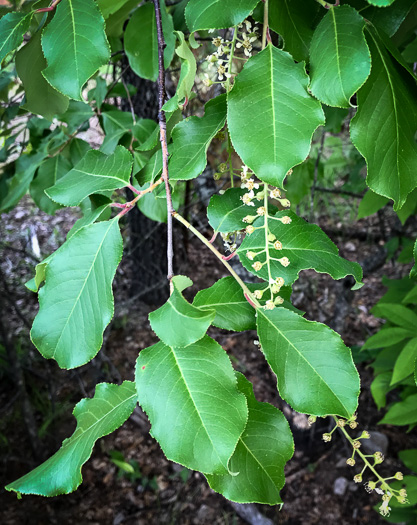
[
  {"x": 305, "y": 245},
  {"x": 75, "y": 46},
  {"x": 260, "y": 456},
  {"x": 181, "y": 390},
  {"x": 340, "y": 61},
  {"x": 77, "y": 298},
  {"x": 94, "y": 173},
  {"x": 314, "y": 369},
  {"x": 271, "y": 116},
  {"x": 226, "y": 212},
  {"x": 110, "y": 407},
  {"x": 402, "y": 413},
  {"x": 177, "y": 322},
  {"x": 216, "y": 14},
  {"x": 384, "y": 126},
  {"x": 13, "y": 26}
]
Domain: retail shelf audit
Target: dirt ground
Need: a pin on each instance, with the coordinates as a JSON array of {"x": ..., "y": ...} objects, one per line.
[{"x": 161, "y": 492}]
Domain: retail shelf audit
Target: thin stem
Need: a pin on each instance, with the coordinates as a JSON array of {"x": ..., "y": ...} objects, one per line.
[
  {"x": 205, "y": 241},
  {"x": 328, "y": 5},
  {"x": 232, "y": 52},
  {"x": 265, "y": 30},
  {"x": 163, "y": 136},
  {"x": 230, "y": 149},
  {"x": 50, "y": 8},
  {"x": 268, "y": 264}
]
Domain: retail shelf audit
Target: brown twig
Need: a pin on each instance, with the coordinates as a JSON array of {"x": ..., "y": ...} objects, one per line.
[
  {"x": 48, "y": 9},
  {"x": 163, "y": 135}
]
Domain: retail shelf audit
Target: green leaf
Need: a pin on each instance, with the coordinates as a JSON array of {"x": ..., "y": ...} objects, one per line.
[
  {"x": 409, "y": 458},
  {"x": 75, "y": 46},
  {"x": 294, "y": 22},
  {"x": 402, "y": 413},
  {"x": 260, "y": 456},
  {"x": 115, "y": 22},
  {"x": 191, "y": 139},
  {"x": 13, "y": 27},
  {"x": 93, "y": 215},
  {"x": 181, "y": 390},
  {"x": 384, "y": 126},
  {"x": 271, "y": 116},
  {"x": 141, "y": 42},
  {"x": 151, "y": 170},
  {"x": 380, "y": 3},
  {"x": 110, "y": 407},
  {"x": 340, "y": 61},
  {"x": 187, "y": 75},
  {"x": 380, "y": 386},
  {"x": 49, "y": 172},
  {"x": 404, "y": 365},
  {"x": 305, "y": 245},
  {"x": 176, "y": 313},
  {"x": 233, "y": 312},
  {"x": 413, "y": 272},
  {"x": 226, "y": 212},
  {"x": 94, "y": 173},
  {"x": 41, "y": 97},
  {"x": 217, "y": 14},
  {"x": 388, "y": 337},
  {"x": 370, "y": 204},
  {"x": 390, "y": 18},
  {"x": 409, "y": 207},
  {"x": 77, "y": 298},
  {"x": 109, "y": 7},
  {"x": 314, "y": 369},
  {"x": 397, "y": 314},
  {"x": 77, "y": 114},
  {"x": 115, "y": 124}
]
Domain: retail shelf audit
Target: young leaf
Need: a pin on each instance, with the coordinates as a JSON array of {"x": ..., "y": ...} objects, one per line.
[
  {"x": 305, "y": 245},
  {"x": 13, "y": 27},
  {"x": 187, "y": 76},
  {"x": 340, "y": 61},
  {"x": 41, "y": 97},
  {"x": 314, "y": 369},
  {"x": 76, "y": 303},
  {"x": 404, "y": 365},
  {"x": 49, "y": 172},
  {"x": 402, "y": 413},
  {"x": 110, "y": 407},
  {"x": 181, "y": 390},
  {"x": 217, "y": 14},
  {"x": 384, "y": 126},
  {"x": 227, "y": 211},
  {"x": 271, "y": 116},
  {"x": 260, "y": 456},
  {"x": 75, "y": 46},
  {"x": 94, "y": 173},
  {"x": 141, "y": 42},
  {"x": 191, "y": 139},
  {"x": 177, "y": 322},
  {"x": 397, "y": 314}
]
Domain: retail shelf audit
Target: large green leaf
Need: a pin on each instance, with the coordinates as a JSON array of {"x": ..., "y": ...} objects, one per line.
[
  {"x": 49, "y": 172},
  {"x": 397, "y": 314},
  {"x": 340, "y": 61},
  {"x": 305, "y": 245},
  {"x": 227, "y": 211},
  {"x": 191, "y": 139},
  {"x": 271, "y": 116},
  {"x": 390, "y": 18},
  {"x": 116, "y": 124},
  {"x": 314, "y": 369},
  {"x": 388, "y": 337},
  {"x": 177, "y": 322},
  {"x": 258, "y": 462},
  {"x": 402, "y": 413},
  {"x": 75, "y": 46},
  {"x": 384, "y": 126},
  {"x": 109, "y": 7},
  {"x": 141, "y": 42},
  {"x": 404, "y": 365},
  {"x": 181, "y": 390},
  {"x": 217, "y": 14},
  {"x": 76, "y": 302},
  {"x": 294, "y": 21},
  {"x": 41, "y": 97},
  {"x": 13, "y": 26},
  {"x": 104, "y": 413},
  {"x": 94, "y": 173}
]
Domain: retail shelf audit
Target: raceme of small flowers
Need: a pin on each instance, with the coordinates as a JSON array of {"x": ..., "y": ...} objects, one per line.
[
  {"x": 380, "y": 486},
  {"x": 220, "y": 61}
]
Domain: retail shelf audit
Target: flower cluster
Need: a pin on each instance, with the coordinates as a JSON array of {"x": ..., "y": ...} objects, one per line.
[{"x": 380, "y": 486}]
